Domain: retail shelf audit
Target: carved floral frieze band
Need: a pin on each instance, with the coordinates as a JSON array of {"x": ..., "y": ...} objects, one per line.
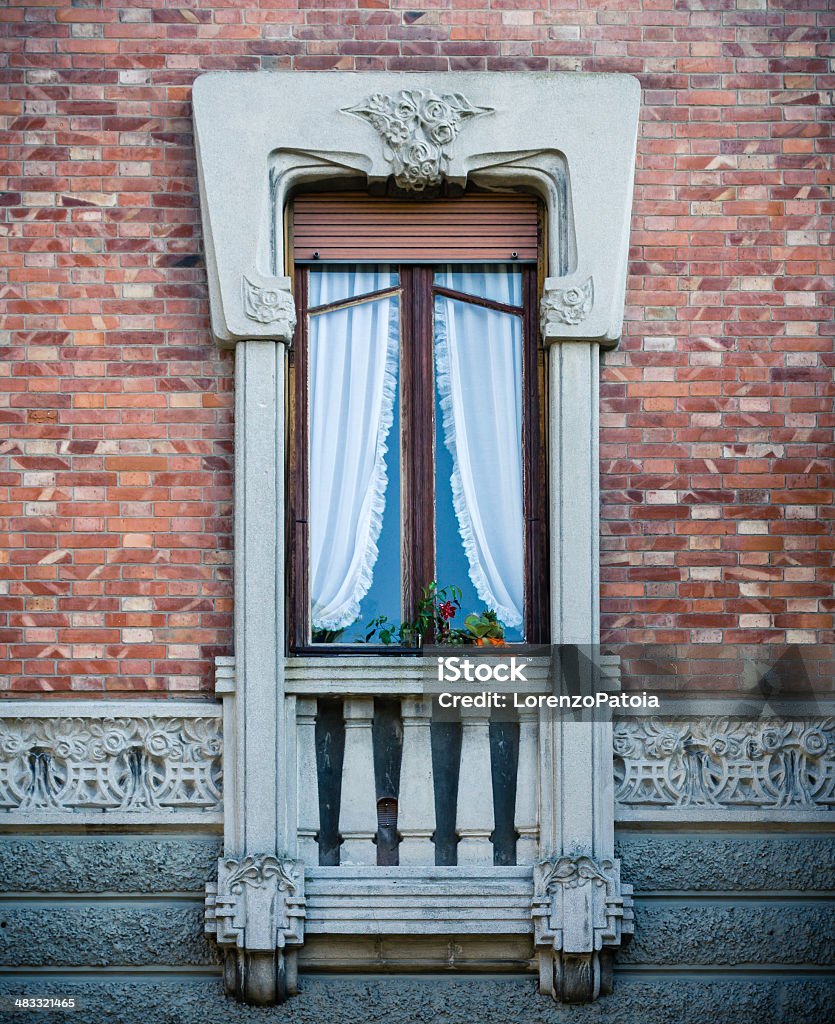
[
  {"x": 725, "y": 762},
  {"x": 270, "y": 305},
  {"x": 568, "y": 306},
  {"x": 417, "y": 127},
  {"x": 110, "y": 764}
]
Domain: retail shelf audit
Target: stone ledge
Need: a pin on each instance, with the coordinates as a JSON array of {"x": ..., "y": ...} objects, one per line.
[{"x": 425, "y": 900}]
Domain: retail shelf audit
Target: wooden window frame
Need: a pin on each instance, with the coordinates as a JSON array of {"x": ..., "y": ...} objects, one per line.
[{"x": 417, "y": 292}]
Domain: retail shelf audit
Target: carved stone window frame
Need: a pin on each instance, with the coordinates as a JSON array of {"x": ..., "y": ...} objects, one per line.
[{"x": 570, "y": 138}]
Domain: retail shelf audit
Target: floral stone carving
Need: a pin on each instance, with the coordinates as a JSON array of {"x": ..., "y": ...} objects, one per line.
[
  {"x": 255, "y": 912},
  {"x": 725, "y": 762},
  {"x": 70, "y": 765},
  {"x": 568, "y": 306},
  {"x": 270, "y": 305},
  {"x": 581, "y": 913},
  {"x": 417, "y": 127}
]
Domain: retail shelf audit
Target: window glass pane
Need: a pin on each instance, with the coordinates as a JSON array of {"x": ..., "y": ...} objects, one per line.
[
  {"x": 478, "y": 469},
  {"x": 498, "y": 282},
  {"x": 329, "y": 283},
  {"x": 354, "y": 462}
]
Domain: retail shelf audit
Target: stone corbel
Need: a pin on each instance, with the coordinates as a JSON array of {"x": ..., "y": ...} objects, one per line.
[
  {"x": 255, "y": 912},
  {"x": 270, "y": 301},
  {"x": 581, "y": 912},
  {"x": 567, "y": 303}
]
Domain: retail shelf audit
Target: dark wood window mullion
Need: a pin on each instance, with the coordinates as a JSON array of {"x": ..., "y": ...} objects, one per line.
[
  {"x": 534, "y": 469},
  {"x": 298, "y": 631},
  {"x": 418, "y": 454}
]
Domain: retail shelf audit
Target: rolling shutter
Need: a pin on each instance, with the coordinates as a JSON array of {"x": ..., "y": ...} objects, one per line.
[{"x": 355, "y": 227}]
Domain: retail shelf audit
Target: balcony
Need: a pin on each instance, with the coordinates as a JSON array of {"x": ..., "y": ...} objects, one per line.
[{"x": 417, "y": 835}]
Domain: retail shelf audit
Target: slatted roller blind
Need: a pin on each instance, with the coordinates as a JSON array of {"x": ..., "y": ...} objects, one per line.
[{"x": 356, "y": 227}]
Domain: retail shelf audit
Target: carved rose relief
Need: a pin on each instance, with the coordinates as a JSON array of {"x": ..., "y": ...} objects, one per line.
[
  {"x": 268, "y": 305},
  {"x": 567, "y": 305},
  {"x": 417, "y": 126}
]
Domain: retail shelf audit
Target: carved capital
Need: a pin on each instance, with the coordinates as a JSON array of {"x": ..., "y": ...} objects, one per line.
[
  {"x": 255, "y": 912},
  {"x": 417, "y": 127},
  {"x": 581, "y": 912},
  {"x": 271, "y": 304},
  {"x": 564, "y": 305}
]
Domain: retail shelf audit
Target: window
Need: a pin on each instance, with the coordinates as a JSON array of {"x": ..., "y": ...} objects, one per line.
[{"x": 416, "y": 449}]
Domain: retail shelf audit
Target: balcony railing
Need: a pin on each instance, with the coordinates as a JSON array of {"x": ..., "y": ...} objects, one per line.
[{"x": 382, "y": 780}]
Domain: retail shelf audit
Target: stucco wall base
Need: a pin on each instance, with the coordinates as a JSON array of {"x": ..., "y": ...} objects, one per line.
[{"x": 410, "y": 1000}]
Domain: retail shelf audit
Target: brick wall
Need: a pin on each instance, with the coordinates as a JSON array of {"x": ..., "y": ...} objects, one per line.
[{"x": 717, "y": 410}]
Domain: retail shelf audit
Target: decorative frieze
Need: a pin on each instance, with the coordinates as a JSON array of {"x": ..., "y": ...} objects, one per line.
[
  {"x": 581, "y": 913},
  {"x": 725, "y": 763},
  {"x": 130, "y": 766},
  {"x": 255, "y": 912},
  {"x": 417, "y": 127}
]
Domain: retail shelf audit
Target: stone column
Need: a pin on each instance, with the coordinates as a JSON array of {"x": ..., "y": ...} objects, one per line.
[
  {"x": 358, "y": 810},
  {"x": 416, "y": 806},
  {"x": 256, "y": 909},
  {"x": 259, "y": 590},
  {"x": 575, "y": 936}
]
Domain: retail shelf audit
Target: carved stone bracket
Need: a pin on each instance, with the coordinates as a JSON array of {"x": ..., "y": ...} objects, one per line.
[
  {"x": 581, "y": 912},
  {"x": 270, "y": 304},
  {"x": 564, "y": 305},
  {"x": 255, "y": 911}
]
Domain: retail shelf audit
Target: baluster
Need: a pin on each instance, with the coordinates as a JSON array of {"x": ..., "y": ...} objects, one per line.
[
  {"x": 474, "y": 819},
  {"x": 527, "y": 802},
  {"x": 308, "y": 782},
  {"x": 358, "y": 811},
  {"x": 416, "y": 807}
]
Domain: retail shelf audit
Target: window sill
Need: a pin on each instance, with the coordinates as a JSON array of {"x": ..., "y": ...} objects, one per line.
[
  {"x": 376, "y": 674},
  {"x": 370, "y": 674}
]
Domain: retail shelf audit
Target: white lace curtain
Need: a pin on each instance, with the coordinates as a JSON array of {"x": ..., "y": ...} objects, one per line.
[
  {"x": 478, "y": 365},
  {"x": 353, "y": 383}
]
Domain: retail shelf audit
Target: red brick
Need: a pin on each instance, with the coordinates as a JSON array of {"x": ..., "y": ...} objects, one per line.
[{"x": 731, "y": 259}]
